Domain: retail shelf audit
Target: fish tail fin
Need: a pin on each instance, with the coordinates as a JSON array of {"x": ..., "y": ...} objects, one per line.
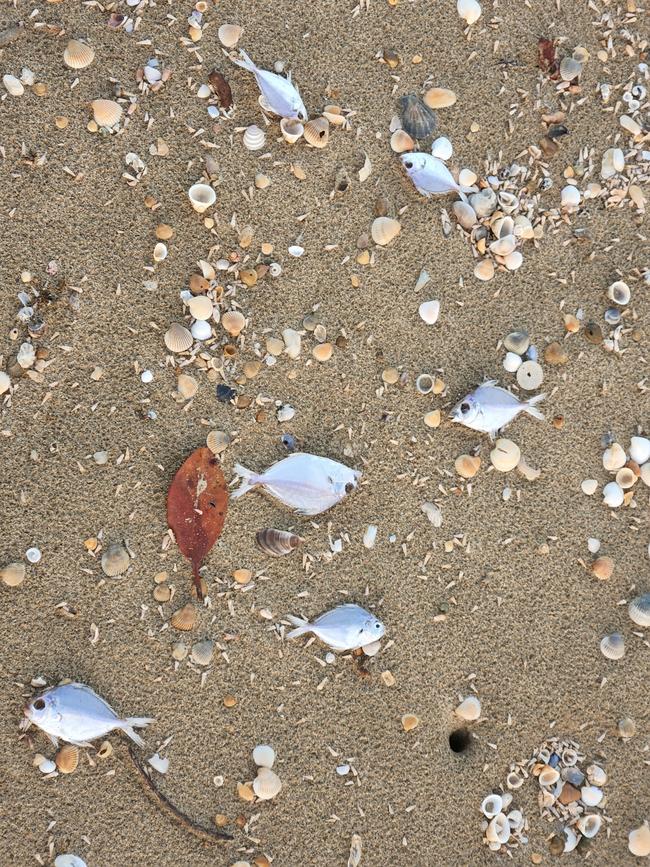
[
  {"x": 462, "y": 195},
  {"x": 244, "y": 61},
  {"x": 135, "y": 722},
  {"x": 249, "y": 480},
  {"x": 301, "y": 624},
  {"x": 531, "y": 409}
]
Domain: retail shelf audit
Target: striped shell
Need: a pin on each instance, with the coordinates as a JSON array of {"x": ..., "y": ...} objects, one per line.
[
  {"x": 233, "y": 322},
  {"x": 202, "y": 652},
  {"x": 13, "y": 574},
  {"x": 178, "y": 338},
  {"x": 613, "y": 646},
  {"x": 115, "y": 560},
  {"x": 317, "y": 132},
  {"x": 184, "y": 619},
  {"x": 254, "y": 138},
  {"x": 639, "y": 610},
  {"x": 266, "y": 784},
  {"x": 107, "y": 112},
  {"x": 418, "y": 120},
  {"x": 384, "y": 229},
  {"x": 277, "y": 543},
  {"x": 229, "y": 34},
  {"x": 78, "y": 54},
  {"x": 67, "y": 758}
]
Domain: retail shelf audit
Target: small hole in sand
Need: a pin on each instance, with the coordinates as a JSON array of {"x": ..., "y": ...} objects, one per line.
[{"x": 459, "y": 740}]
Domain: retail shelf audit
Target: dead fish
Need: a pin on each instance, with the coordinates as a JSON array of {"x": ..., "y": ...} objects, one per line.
[
  {"x": 430, "y": 175},
  {"x": 346, "y": 627},
  {"x": 490, "y": 408},
  {"x": 418, "y": 120},
  {"x": 280, "y": 93}
]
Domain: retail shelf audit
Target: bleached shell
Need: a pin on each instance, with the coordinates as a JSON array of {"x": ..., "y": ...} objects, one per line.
[
  {"x": 596, "y": 775},
  {"x": 513, "y": 261},
  {"x": 613, "y": 162},
  {"x": 626, "y": 727},
  {"x": 467, "y": 466},
  {"x": 484, "y": 203},
  {"x": 465, "y": 214},
  {"x": 469, "y": 10},
  {"x": 570, "y": 68},
  {"x": 467, "y": 178},
  {"x": 548, "y": 776},
  {"x": 184, "y": 619},
  {"x": 507, "y": 201},
  {"x": 491, "y": 805},
  {"x": 370, "y": 536},
  {"x": 439, "y": 97},
  {"x": 266, "y": 784},
  {"x": 67, "y": 758},
  {"x": 384, "y": 230},
  {"x": 5, "y": 382},
  {"x": 645, "y": 473},
  {"x": 217, "y": 441},
  {"x": 401, "y": 141},
  {"x": 589, "y": 824},
  {"x": 614, "y": 457},
  {"x": 442, "y": 148},
  {"x": 498, "y": 829},
  {"x": 200, "y": 307},
  {"x": 613, "y": 647},
  {"x": 202, "y": 652},
  {"x": 502, "y": 226},
  {"x": 115, "y": 560},
  {"x": 291, "y": 129},
  {"x": 484, "y": 270},
  {"x": 201, "y": 197},
  {"x": 505, "y": 455},
  {"x": 613, "y": 495},
  {"x": 292, "y": 342},
  {"x": 233, "y": 321},
  {"x": 13, "y": 85},
  {"x": 264, "y": 756},
  {"x": 317, "y": 132},
  {"x": 254, "y": 138},
  {"x": 514, "y": 780},
  {"x": 160, "y": 252},
  {"x": 523, "y": 228},
  {"x": 106, "y": 112},
  {"x": 277, "y": 543},
  {"x": 429, "y": 311},
  {"x": 503, "y": 246},
  {"x": 201, "y": 330},
  {"x": 229, "y": 35},
  {"x": 158, "y": 763},
  {"x": 626, "y": 478},
  {"x": 639, "y": 610},
  {"x": 512, "y": 362},
  {"x": 619, "y": 293},
  {"x": 640, "y": 450},
  {"x": 78, "y": 54},
  {"x": 638, "y": 841},
  {"x": 469, "y": 709},
  {"x": 69, "y": 860},
  {"x": 13, "y": 574},
  {"x": 178, "y": 338}
]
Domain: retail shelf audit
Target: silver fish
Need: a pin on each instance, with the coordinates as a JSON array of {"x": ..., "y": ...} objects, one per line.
[
  {"x": 280, "y": 93},
  {"x": 430, "y": 175},
  {"x": 345, "y": 627},
  {"x": 490, "y": 408},
  {"x": 76, "y": 714},
  {"x": 307, "y": 483}
]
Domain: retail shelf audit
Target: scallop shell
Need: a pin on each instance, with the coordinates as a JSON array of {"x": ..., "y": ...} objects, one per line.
[
  {"x": 67, "y": 758},
  {"x": 78, "y": 54},
  {"x": 178, "y": 338},
  {"x": 492, "y": 805},
  {"x": 291, "y": 129},
  {"x": 229, "y": 35},
  {"x": 115, "y": 560},
  {"x": 548, "y": 776},
  {"x": 602, "y": 568},
  {"x": 484, "y": 270},
  {"x": 418, "y": 120},
  {"x": 640, "y": 450},
  {"x": 638, "y": 841},
  {"x": 266, "y": 784},
  {"x": 439, "y": 97},
  {"x": 106, "y": 112},
  {"x": 613, "y": 495},
  {"x": 264, "y": 756},
  {"x": 619, "y": 293},
  {"x": 429, "y": 311},
  {"x": 613, "y": 647},
  {"x": 202, "y": 652},
  {"x": 12, "y": 574},
  {"x": 467, "y": 466},
  {"x": 639, "y": 610},
  {"x": 317, "y": 132},
  {"x": 200, "y": 307},
  {"x": 254, "y": 138},
  {"x": 505, "y": 455},
  {"x": 401, "y": 141},
  {"x": 201, "y": 197},
  {"x": 184, "y": 619},
  {"x": 384, "y": 230},
  {"x": 217, "y": 441},
  {"x": 277, "y": 543},
  {"x": 469, "y": 709},
  {"x": 589, "y": 824},
  {"x": 233, "y": 322}
]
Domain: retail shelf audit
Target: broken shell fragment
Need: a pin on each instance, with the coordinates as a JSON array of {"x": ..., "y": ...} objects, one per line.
[
  {"x": 13, "y": 85},
  {"x": 467, "y": 466},
  {"x": 613, "y": 647},
  {"x": 429, "y": 311},
  {"x": 626, "y": 728},
  {"x": 115, "y": 560},
  {"x": 555, "y": 354},
  {"x": 106, "y": 112},
  {"x": 264, "y": 756},
  {"x": 291, "y": 130},
  {"x": 277, "y": 543},
  {"x": 266, "y": 784},
  {"x": 442, "y": 148},
  {"x": 78, "y": 54},
  {"x": 384, "y": 230},
  {"x": 67, "y": 758},
  {"x": 317, "y": 132},
  {"x": 638, "y": 841},
  {"x": 439, "y": 97},
  {"x": 469, "y": 709},
  {"x": 229, "y": 35},
  {"x": 639, "y": 610},
  {"x": 13, "y": 574},
  {"x": 184, "y": 619},
  {"x": 201, "y": 197},
  {"x": 178, "y": 338},
  {"x": 505, "y": 455}
]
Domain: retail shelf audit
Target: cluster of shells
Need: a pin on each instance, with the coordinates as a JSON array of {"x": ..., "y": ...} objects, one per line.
[
  {"x": 267, "y": 784},
  {"x": 627, "y": 467},
  {"x": 314, "y": 132},
  {"x": 66, "y": 759}
]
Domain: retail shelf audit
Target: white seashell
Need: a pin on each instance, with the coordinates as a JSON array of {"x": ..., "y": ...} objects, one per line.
[
  {"x": 47, "y": 766},
  {"x": 13, "y": 85},
  {"x": 292, "y": 342},
  {"x": 570, "y": 197},
  {"x": 160, "y": 252},
  {"x": 613, "y": 163},
  {"x": 613, "y": 647},
  {"x": 614, "y": 458},
  {"x": 370, "y": 536},
  {"x": 591, "y": 796},
  {"x": 5, "y": 382},
  {"x": 571, "y": 838},
  {"x": 570, "y": 68},
  {"x": 291, "y": 129},
  {"x": 78, "y": 54},
  {"x": 69, "y": 860},
  {"x": 33, "y": 555},
  {"x": 484, "y": 203},
  {"x": 505, "y": 456},
  {"x": 229, "y": 35},
  {"x": 593, "y": 545},
  {"x": 548, "y": 776},
  {"x": 589, "y": 824},
  {"x": 201, "y": 197},
  {"x": 491, "y": 806},
  {"x": 512, "y": 362},
  {"x": 317, "y": 132},
  {"x": 115, "y": 560},
  {"x": 508, "y": 202},
  {"x": 26, "y": 355},
  {"x": 467, "y": 178},
  {"x": 639, "y": 610},
  {"x": 619, "y": 293},
  {"x": 596, "y": 775},
  {"x": 401, "y": 141},
  {"x": 524, "y": 228},
  {"x": 465, "y": 214},
  {"x": 513, "y": 261},
  {"x": 442, "y": 148},
  {"x": 514, "y": 780},
  {"x": 469, "y": 10},
  {"x": 371, "y": 649},
  {"x": 429, "y": 311},
  {"x": 384, "y": 230},
  {"x": 264, "y": 756},
  {"x": 640, "y": 450},
  {"x": 645, "y": 474},
  {"x": 589, "y": 487},
  {"x": 626, "y": 478},
  {"x": 433, "y": 513},
  {"x": 469, "y": 709},
  {"x": 158, "y": 763},
  {"x": 613, "y": 495},
  {"x": 498, "y": 831},
  {"x": 200, "y": 307},
  {"x": 204, "y": 91},
  {"x": 630, "y": 125},
  {"x": 502, "y": 226},
  {"x": 266, "y": 784},
  {"x": 294, "y": 250},
  {"x": 106, "y": 112},
  {"x": 515, "y": 820},
  {"x": 201, "y": 330},
  {"x": 638, "y": 841},
  {"x": 484, "y": 270},
  {"x": 504, "y": 246},
  {"x": 254, "y": 138}
]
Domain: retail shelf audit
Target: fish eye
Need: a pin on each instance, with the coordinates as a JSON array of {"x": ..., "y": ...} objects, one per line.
[
  {"x": 349, "y": 487},
  {"x": 408, "y": 165},
  {"x": 377, "y": 625},
  {"x": 39, "y": 704},
  {"x": 464, "y": 407}
]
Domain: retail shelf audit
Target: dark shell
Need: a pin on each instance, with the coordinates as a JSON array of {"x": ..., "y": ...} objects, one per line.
[
  {"x": 418, "y": 120},
  {"x": 221, "y": 88}
]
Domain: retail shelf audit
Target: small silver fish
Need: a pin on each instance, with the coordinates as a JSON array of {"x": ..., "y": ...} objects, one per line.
[
  {"x": 280, "y": 93},
  {"x": 345, "y": 627},
  {"x": 76, "y": 714},
  {"x": 307, "y": 483},
  {"x": 430, "y": 175},
  {"x": 490, "y": 408}
]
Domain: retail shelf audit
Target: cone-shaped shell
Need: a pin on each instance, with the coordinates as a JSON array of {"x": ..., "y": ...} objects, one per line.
[
  {"x": 384, "y": 230},
  {"x": 115, "y": 560},
  {"x": 277, "y": 543},
  {"x": 67, "y": 758},
  {"x": 184, "y": 619},
  {"x": 264, "y": 756},
  {"x": 317, "y": 132},
  {"x": 229, "y": 35},
  {"x": 401, "y": 141},
  {"x": 106, "y": 112},
  {"x": 439, "y": 97},
  {"x": 12, "y": 574},
  {"x": 638, "y": 841},
  {"x": 469, "y": 709},
  {"x": 291, "y": 129},
  {"x": 613, "y": 646},
  {"x": 254, "y": 138},
  {"x": 498, "y": 831},
  {"x": 467, "y": 466},
  {"x": 78, "y": 54},
  {"x": 202, "y": 652},
  {"x": 233, "y": 322},
  {"x": 266, "y": 784},
  {"x": 418, "y": 120},
  {"x": 178, "y": 338},
  {"x": 639, "y": 610}
]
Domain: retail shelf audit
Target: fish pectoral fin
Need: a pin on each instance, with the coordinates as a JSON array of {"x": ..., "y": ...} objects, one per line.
[
  {"x": 54, "y": 740},
  {"x": 84, "y": 744}
]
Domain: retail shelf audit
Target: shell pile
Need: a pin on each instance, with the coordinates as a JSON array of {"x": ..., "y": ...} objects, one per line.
[{"x": 626, "y": 468}]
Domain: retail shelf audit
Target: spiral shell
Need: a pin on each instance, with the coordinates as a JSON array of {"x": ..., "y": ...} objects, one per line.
[
  {"x": 384, "y": 230},
  {"x": 106, "y": 112},
  {"x": 254, "y": 138},
  {"x": 115, "y": 560},
  {"x": 317, "y": 132},
  {"x": 178, "y": 338},
  {"x": 277, "y": 543},
  {"x": 639, "y": 610},
  {"x": 613, "y": 646},
  {"x": 78, "y": 54},
  {"x": 266, "y": 784},
  {"x": 67, "y": 758},
  {"x": 184, "y": 619},
  {"x": 233, "y": 322},
  {"x": 291, "y": 129}
]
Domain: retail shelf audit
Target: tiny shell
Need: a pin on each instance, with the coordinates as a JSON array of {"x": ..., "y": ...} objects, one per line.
[
  {"x": 484, "y": 270},
  {"x": 465, "y": 214},
  {"x": 370, "y": 536},
  {"x": 254, "y": 138},
  {"x": 13, "y": 574},
  {"x": 638, "y": 840},
  {"x": 158, "y": 763},
  {"x": 78, "y": 54},
  {"x": 469, "y": 10},
  {"x": 512, "y": 362},
  {"x": 277, "y": 543},
  {"x": 67, "y": 758},
  {"x": 429, "y": 311},
  {"x": 589, "y": 824},
  {"x": 639, "y": 610},
  {"x": 317, "y": 132},
  {"x": 491, "y": 806},
  {"x": 322, "y": 352},
  {"x": 645, "y": 474},
  {"x": 424, "y": 383},
  {"x": 570, "y": 68},
  {"x": 201, "y": 197},
  {"x": 613, "y": 647},
  {"x": 640, "y": 449},
  {"x": 202, "y": 652},
  {"x": 505, "y": 455},
  {"x": 401, "y": 141},
  {"x": 115, "y": 560},
  {"x": 467, "y": 466},
  {"x": 626, "y": 478},
  {"x": 439, "y": 97},
  {"x": 229, "y": 35},
  {"x": 13, "y": 85},
  {"x": 69, "y": 860},
  {"x": 217, "y": 441},
  {"x": 555, "y": 354},
  {"x": 106, "y": 112},
  {"x": 614, "y": 457},
  {"x": 530, "y": 375},
  {"x": 178, "y": 338},
  {"x": 469, "y": 709},
  {"x": 410, "y": 722},
  {"x": 264, "y": 756},
  {"x": 384, "y": 230},
  {"x": 432, "y": 419},
  {"x": 266, "y": 784},
  {"x": 442, "y": 148},
  {"x": 292, "y": 342},
  {"x": 200, "y": 307},
  {"x": 291, "y": 130},
  {"x": 242, "y": 576},
  {"x": 160, "y": 252},
  {"x": 179, "y": 651},
  {"x": 201, "y": 330},
  {"x": 603, "y": 568},
  {"x": 514, "y": 780},
  {"x": 418, "y": 120},
  {"x": 619, "y": 293},
  {"x": 613, "y": 495},
  {"x": 548, "y": 776},
  {"x": 233, "y": 321},
  {"x": 503, "y": 246},
  {"x": 613, "y": 162},
  {"x": 184, "y": 619},
  {"x": 626, "y": 728},
  {"x": 596, "y": 775},
  {"x": 498, "y": 831}
]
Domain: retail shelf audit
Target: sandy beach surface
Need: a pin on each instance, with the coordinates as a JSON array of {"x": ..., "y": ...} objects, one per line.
[{"x": 499, "y": 600}]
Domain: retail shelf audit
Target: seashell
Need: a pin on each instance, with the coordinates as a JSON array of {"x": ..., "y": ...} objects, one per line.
[
  {"x": 613, "y": 162},
  {"x": 67, "y": 758},
  {"x": 596, "y": 776},
  {"x": 513, "y": 261},
  {"x": 442, "y": 148},
  {"x": 469, "y": 10},
  {"x": 470, "y": 708},
  {"x": 640, "y": 450},
  {"x": 13, "y": 574},
  {"x": 613, "y": 495},
  {"x": 370, "y": 536},
  {"x": 639, "y": 610},
  {"x": 158, "y": 763},
  {"x": 229, "y": 35},
  {"x": 264, "y": 756},
  {"x": 505, "y": 455},
  {"x": 179, "y": 651},
  {"x": 602, "y": 568},
  {"x": 242, "y": 576},
  {"x": 503, "y": 246},
  {"x": 619, "y": 293},
  {"x": 439, "y": 97},
  {"x": 418, "y": 120},
  {"x": 570, "y": 197},
  {"x": 263, "y": 181},
  {"x": 178, "y": 338},
  {"x": 498, "y": 830},
  {"x": 424, "y": 383},
  {"x": 432, "y": 419},
  {"x": 484, "y": 270},
  {"x": 115, "y": 560},
  {"x": 491, "y": 806},
  {"x": 233, "y": 322},
  {"x": 589, "y": 824},
  {"x": 410, "y": 722},
  {"x": 291, "y": 130},
  {"x": 401, "y": 141},
  {"x": 323, "y": 352},
  {"x": 217, "y": 441},
  {"x": 512, "y": 362},
  {"x": 5, "y": 382},
  {"x": 184, "y": 619},
  {"x": 13, "y": 85},
  {"x": 630, "y": 125},
  {"x": 515, "y": 820},
  {"x": 626, "y": 478},
  {"x": 507, "y": 202},
  {"x": 570, "y": 68},
  {"x": 106, "y": 112},
  {"x": 484, "y": 203},
  {"x": 162, "y": 593},
  {"x": 614, "y": 457},
  {"x": 548, "y": 776},
  {"x": 626, "y": 728},
  {"x": 465, "y": 214},
  {"x": 266, "y": 784},
  {"x": 201, "y": 330},
  {"x": 202, "y": 652},
  {"x": 78, "y": 54},
  {"x": 201, "y": 197},
  {"x": 613, "y": 647},
  {"x": 200, "y": 307},
  {"x": 292, "y": 342},
  {"x": 254, "y": 138},
  {"x": 277, "y": 543},
  {"x": 334, "y": 115},
  {"x": 317, "y": 132},
  {"x": 467, "y": 178},
  {"x": 514, "y": 780},
  {"x": 69, "y": 860},
  {"x": 429, "y": 311},
  {"x": 645, "y": 474},
  {"x": 467, "y": 466},
  {"x": 384, "y": 230},
  {"x": 160, "y": 252},
  {"x": 638, "y": 841}
]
